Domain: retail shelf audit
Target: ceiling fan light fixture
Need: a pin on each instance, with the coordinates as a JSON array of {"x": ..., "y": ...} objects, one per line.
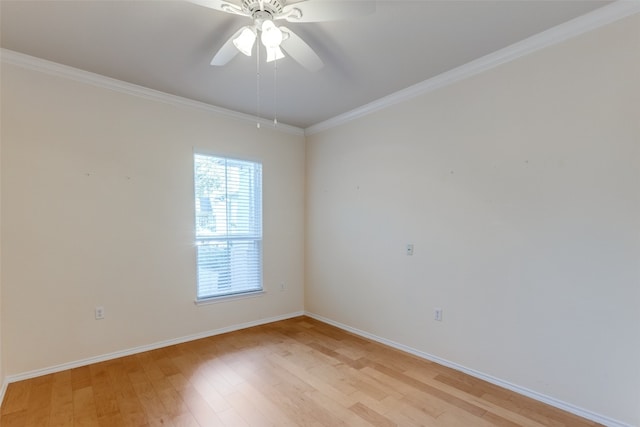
[
  {"x": 274, "y": 53},
  {"x": 244, "y": 42},
  {"x": 271, "y": 35}
]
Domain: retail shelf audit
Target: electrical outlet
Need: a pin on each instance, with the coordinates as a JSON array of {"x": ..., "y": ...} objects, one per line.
[
  {"x": 410, "y": 249},
  {"x": 437, "y": 314},
  {"x": 99, "y": 313}
]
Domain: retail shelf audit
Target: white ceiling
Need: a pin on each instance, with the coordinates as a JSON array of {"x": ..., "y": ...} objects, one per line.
[{"x": 167, "y": 46}]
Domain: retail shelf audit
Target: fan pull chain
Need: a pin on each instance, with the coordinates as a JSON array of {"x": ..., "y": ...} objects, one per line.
[
  {"x": 258, "y": 87},
  {"x": 275, "y": 93}
]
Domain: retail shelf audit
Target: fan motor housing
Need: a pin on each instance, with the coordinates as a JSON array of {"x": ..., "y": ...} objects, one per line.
[{"x": 252, "y": 7}]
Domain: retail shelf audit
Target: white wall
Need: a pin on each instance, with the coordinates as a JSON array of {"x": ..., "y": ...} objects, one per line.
[
  {"x": 2, "y": 376},
  {"x": 97, "y": 209},
  {"x": 520, "y": 189}
]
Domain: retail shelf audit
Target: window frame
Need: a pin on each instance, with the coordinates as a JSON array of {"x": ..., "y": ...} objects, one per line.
[{"x": 229, "y": 237}]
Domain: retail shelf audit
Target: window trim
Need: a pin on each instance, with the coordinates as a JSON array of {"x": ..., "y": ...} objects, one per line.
[
  {"x": 230, "y": 297},
  {"x": 259, "y": 237}
]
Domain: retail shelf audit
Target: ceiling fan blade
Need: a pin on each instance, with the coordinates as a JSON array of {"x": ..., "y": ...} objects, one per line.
[
  {"x": 300, "y": 51},
  {"x": 221, "y": 5},
  {"x": 318, "y": 10},
  {"x": 228, "y": 51}
]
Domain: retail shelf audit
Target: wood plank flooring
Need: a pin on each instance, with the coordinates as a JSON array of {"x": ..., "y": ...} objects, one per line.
[{"x": 297, "y": 372}]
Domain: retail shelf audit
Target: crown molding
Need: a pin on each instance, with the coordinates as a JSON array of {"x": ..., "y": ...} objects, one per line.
[
  {"x": 600, "y": 17},
  {"x": 53, "y": 68},
  {"x": 605, "y": 15}
]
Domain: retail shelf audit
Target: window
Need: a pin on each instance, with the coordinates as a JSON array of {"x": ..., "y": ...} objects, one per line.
[{"x": 228, "y": 196}]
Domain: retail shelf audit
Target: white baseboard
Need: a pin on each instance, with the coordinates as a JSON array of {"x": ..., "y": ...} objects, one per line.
[
  {"x": 568, "y": 407},
  {"x": 477, "y": 374},
  {"x": 3, "y": 390},
  {"x": 128, "y": 352}
]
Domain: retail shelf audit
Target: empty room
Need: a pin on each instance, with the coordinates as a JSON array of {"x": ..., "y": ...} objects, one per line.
[{"x": 320, "y": 213}]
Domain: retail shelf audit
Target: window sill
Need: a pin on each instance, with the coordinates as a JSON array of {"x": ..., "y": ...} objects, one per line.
[{"x": 225, "y": 298}]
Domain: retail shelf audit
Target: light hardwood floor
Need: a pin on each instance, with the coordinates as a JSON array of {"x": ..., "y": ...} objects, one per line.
[{"x": 297, "y": 372}]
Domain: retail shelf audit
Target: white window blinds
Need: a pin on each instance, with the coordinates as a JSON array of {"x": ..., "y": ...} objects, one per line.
[{"x": 228, "y": 226}]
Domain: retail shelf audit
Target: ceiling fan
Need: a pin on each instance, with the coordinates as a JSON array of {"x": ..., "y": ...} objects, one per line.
[{"x": 277, "y": 39}]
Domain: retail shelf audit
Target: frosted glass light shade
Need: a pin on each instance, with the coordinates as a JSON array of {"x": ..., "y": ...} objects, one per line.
[
  {"x": 244, "y": 42},
  {"x": 271, "y": 35},
  {"x": 274, "y": 53}
]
